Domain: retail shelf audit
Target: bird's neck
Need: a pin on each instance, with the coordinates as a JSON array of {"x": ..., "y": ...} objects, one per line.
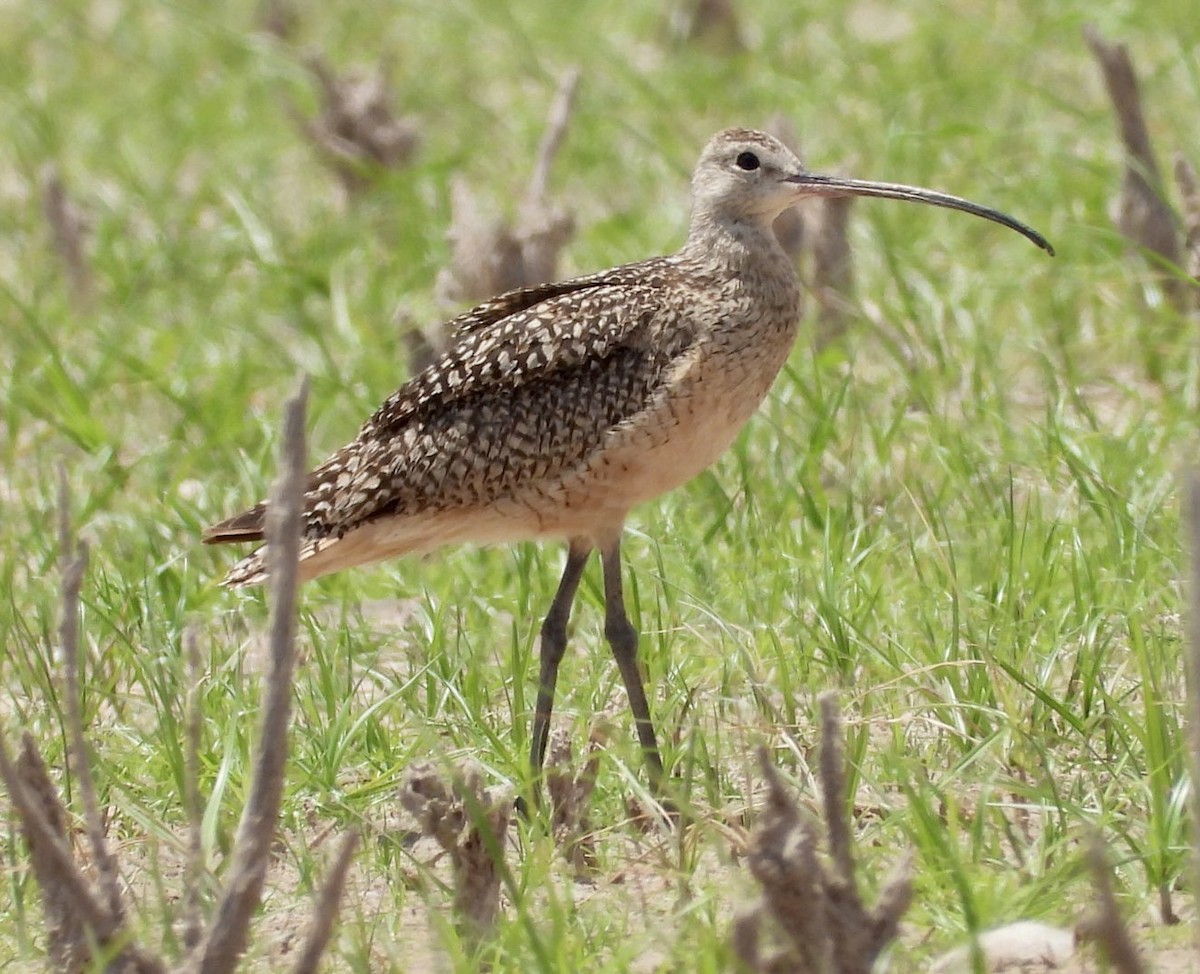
[
  {"x": 731, "y": 244},
  {"x": 745, "y": 255}
]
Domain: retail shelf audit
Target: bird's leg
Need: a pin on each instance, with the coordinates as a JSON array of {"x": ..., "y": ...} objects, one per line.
[
  {"x": 622, "y": 637},
  {"x": 553, "y": 645}
]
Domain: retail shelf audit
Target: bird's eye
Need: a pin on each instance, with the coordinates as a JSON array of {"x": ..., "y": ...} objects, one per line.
[{"x": 747, "y": 161}]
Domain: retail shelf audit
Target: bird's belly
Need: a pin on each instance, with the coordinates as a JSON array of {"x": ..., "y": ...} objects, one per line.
[
  {"x": 679, "y": 436},
  {"x": 652, "y": 462}
]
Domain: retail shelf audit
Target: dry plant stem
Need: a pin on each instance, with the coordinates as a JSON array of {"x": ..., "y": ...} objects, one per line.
[
  {"x": 713, "y": 23},
  {"x": 68, "y": 903},
  {"x": 193, "y": 924},
  {"x": 552, "y": 138},
  {"x": 858, "y": 934},
  {"x": 789, "y": 226},
  {"x": 75, "y": 918},
  {"x": 491, "y": 256},
  {"x": 1191, "y": 526},
  {"x": 420, "y": 350},
  {"x": 61, "y": 885},
  {"x": 783, "y": 858},
  {"x": 744, "y": 940},
  {"x": 1189, "y": 194},
  {"x": 357, "y": 133},
  {"x": 818, "y": 915},
  {"x": 543, "y": 228},
  {"x": 278, "y": 18},
  {"x": 569, "y": 797},
  {"x": 1145, "y": 218},
  {"x": 480, "y": 865},
  {"x": 1106, "y": 927},
  {"x": 833, "y": 268},
  {"x": 68, "y": 229},
  {"x": 82, "y": 922},
  {"x": 833, "y": 786},
  {"x": 325, "y": 913},
  {"x": 73, "y": 559},
  {"x": 486, "y": 254},
  {"x": 227, "y": 936},
  {"x": 471, "y": 825}
]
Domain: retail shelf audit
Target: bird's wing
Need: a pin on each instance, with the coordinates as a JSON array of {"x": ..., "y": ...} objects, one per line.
[
  {"x": 525, "y": 333},
  {"x": 496, "y": 309},
  {"x": 533, "y": 382}
]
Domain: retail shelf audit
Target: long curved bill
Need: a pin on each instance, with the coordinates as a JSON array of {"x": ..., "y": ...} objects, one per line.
[{"x": 815, "y": 184}]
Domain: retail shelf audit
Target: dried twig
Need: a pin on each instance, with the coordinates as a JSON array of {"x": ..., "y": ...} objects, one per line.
[
  {"x": 833, "y": 268},
  {"x": 470, "y": 823},
  {"x": 85, "y": 924},
  {"x": 78, "y": 918},
  {"x": 1191, "y": 526},
  {"x": 71, "y": 910},
  {"x": 783, "y": 859},
  {"x": 193, "y": 923},
  {"x": 1189, "y": 195},
  {"x": 421, "y": 352},
  {"x": 227, "y": 936},
  {"x": 745, "y": 938},
  {"x": 491, "y": 256},
  {"x": 821, "y": 225},
  {"x": 357, "y": 132},
  {"x": 1107, "y": 927},
  {"x": 570, "y": 792},
  {"x": 712, "y": 23},
  {"x": 279, "y": 18},
  {"x": 834, "y": 791},
  {"x": 69, "y": 232},
  {"x": 544, "y": 228},
  {"x": 859, "y": 934},
  {"x": 556, "y": 129},
  {"x": 73, "y": 559},
  {"x": 819, "y": 916},
  {"x": 325, "y": 912},
  {"x": 485, "y": 254},
  {"x": 1143, "y": 214},
  {"x": 789, "y": 225}
]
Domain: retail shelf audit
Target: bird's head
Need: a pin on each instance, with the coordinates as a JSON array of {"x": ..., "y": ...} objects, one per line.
[{"x": 744, "y": 175}]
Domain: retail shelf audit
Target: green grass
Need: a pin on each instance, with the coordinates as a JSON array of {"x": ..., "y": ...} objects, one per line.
[{"x": 963, "y": 515}]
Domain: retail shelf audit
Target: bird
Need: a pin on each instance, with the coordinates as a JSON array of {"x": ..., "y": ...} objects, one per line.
[{"x": 557, "y": 409}]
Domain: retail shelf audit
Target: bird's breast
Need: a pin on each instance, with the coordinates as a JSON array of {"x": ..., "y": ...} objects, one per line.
[{"x": 705, "y": 399}]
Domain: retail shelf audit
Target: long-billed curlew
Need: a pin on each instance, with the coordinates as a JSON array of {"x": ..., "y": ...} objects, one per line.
[{"x": 559, "y": 408}]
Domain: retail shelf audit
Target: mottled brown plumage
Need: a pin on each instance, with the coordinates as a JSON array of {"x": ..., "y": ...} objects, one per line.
[{"x": 557, "y": 409}]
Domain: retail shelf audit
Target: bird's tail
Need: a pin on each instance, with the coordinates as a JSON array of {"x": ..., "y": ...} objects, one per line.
[
  {"x": 248, "y": 526},
  {"x": 251, "y": 570}
]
